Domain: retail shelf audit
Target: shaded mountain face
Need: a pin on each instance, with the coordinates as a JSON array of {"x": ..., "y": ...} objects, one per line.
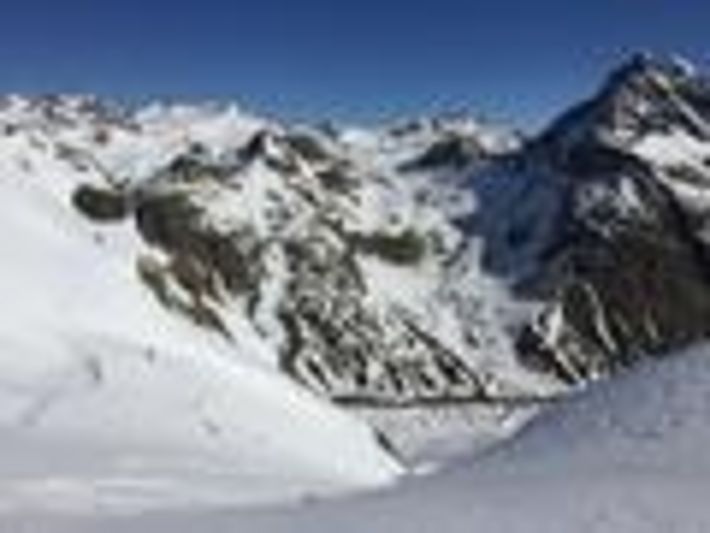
[
  {"x": 621, "y": 261},
  {"x": 435, "y": 264}
]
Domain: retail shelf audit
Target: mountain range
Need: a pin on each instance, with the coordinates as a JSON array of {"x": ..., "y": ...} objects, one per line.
[{"x": 195, "y": 296}]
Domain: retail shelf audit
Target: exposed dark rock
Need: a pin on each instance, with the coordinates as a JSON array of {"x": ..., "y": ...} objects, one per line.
[
  {"x": 340, "y": 346},
  {"x": 194, "y": 167},
  {"x": 405, "y": 248},
  {"x": 336, "y": 178},
  {"x": 197, "y": 306},
  {"x": 624, "y": 267},
  {"x": 173, "y": 222},
  {"x": 308, "y": 147},
  {"x": 271, "y": 150},
  {"x": 454, "y": 152},
  {"x": 101, "y": 204}
]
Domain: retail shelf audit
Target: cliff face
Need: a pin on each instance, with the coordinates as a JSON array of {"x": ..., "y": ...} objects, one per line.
[{"x": 623, "y": 267}]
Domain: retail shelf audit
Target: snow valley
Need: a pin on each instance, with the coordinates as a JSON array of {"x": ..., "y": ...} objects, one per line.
[{"x": 209, "y": 314}]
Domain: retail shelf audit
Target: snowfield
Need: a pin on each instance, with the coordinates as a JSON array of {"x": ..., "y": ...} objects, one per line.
[{"x": 626, "y": 456}]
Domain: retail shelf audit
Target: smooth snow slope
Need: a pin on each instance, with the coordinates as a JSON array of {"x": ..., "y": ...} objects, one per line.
[
  {"x": 628, "y": 456},
  {"x": 109, "y": 403}
]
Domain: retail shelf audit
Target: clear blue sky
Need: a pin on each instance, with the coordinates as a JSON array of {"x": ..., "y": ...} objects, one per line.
[{"x": 351, "y": 59}]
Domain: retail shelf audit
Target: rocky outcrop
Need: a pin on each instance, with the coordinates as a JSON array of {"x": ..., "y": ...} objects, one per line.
[
  {"x": 299, "y": 278},
  {"x": 618, "y": 284},
  {"x": 101, "y": 204},
  {"x": 623, "y": 272}
]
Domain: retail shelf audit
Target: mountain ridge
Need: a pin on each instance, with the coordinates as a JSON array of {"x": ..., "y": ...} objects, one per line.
[{"x": 425, "y": 276}]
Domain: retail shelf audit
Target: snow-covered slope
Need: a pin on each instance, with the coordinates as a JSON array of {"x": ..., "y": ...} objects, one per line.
[
  {"x": 106, "y": 397},
  {"x": 627, "y": 456}
]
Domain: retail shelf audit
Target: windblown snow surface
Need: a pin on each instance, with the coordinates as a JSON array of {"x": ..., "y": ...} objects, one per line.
[{"x": 625, "y": 456}]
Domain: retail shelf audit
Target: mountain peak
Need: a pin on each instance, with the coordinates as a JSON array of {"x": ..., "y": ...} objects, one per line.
[
  {"x": 644, "y": 95},
  {"x": 643, "y": 65}
]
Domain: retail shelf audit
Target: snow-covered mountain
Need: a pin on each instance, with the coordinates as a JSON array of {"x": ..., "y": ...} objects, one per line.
[
  {"x": 610, "y": 230},
  {"x": 319, "y": 307},
  {"x": 325, "y": 256}
]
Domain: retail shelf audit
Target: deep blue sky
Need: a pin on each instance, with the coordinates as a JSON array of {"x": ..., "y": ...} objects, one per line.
[{"x": 351, "y": 59}]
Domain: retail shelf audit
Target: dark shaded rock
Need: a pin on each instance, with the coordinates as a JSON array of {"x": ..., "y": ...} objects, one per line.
[
  {"x": 173, "y": 222},
  {"x": 101, "y": 204},
  {"x": 308, "y": 147},
  {"x": 405, "y": 248},
  {"x": 202, "y": 262},
  {"x": 255, "y": 147},
  {"x": 342, "y": 347},
  {"x": 455, "y": 152},
  {"x": 623, "y": 268},
  {"x": 336, "y": 178},
  {"x": 197, "y": 306},
  {"x": 267, "y": 147},
  {"x": 194, "y": 167}
]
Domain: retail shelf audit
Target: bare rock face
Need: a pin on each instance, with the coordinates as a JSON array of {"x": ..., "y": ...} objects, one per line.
[
  {"x": 292, "y": 261},
  {"x": 102, "y": 205},
  {"x": 620, "y": 284},
  {"x": 452, "y": 152},
  {"x": 623, "y": 270},
  {"x": 354, "y": 351}
]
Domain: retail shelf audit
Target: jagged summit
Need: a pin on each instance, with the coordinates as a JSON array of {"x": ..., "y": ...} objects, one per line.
[
  {"x": 642, "y": 67},
  {"x": 646, "y": 94}
]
